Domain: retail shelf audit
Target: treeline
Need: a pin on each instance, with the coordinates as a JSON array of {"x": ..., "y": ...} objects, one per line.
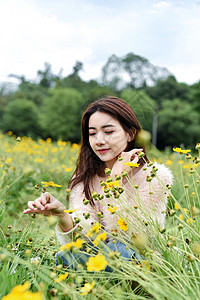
[{"x": 52, "y": 106}]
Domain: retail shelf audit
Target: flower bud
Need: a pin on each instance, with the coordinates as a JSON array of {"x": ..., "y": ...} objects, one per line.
[
  {"x": 109, "y": 179},
  {"x": 171, "y": 212},
  {"x": 124, "y": 174},
  {"x": 99, "y": 214},
  {"x": 180, "y": 226},
  {"x": 197, "y": 146},
  {"x": 86, "y": 215},
  {"x": 77, "y": 220},
  {"x": 141, "y": 154},
  {"x": 120, "y": 190},
  {"x": 150, "y": 164},
  {"x": 118, "y": 177},
  {"x": 86, "y": 201},
  {"x": 102, "y": 183},
  {"x": 107, "y": 171},
  {"x": 120, "y": 158},
  {"x": 190, "y": 257},
  {"x": 106, "y": 190},
  {"x": 162, "y": 230},
  {"x": 94, "y": 194},
  {"x": 149, "y": 178}
]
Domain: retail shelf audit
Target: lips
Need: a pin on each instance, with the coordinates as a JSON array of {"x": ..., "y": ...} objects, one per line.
[{"x": 102, "y": 151}]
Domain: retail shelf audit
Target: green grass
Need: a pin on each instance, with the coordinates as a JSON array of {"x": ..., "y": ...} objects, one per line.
[{"x": 28, "y": 244}]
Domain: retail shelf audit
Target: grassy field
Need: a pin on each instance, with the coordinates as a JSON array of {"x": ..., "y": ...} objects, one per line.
[{"x": 171, "y": 269}]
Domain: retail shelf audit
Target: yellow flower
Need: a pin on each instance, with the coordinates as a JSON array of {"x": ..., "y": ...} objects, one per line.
[
  {"x": 20, "y": 292},
  {"x": 181, "y": 217},
  {"x": 87, "y": 288},
  {"x": 67, "y": 246},
  {"x": 176, "y": 206},
  {"x": 50, "y": 183},
  {"x": 97, "y": 263},
  {"x": 187, "y": 166},
  {"x": 101, "y": 236},
  {"x": 186, "y": 210},
  {"x": 181, "y": 151},
  {"x": 68, "y": 169},
  {"x": 70, "y": 211},
  {"x": 113, "y": 183},
  {"x": 168, "y": 162},
  {"x": 112, "y": 209},
  {"x": 131, "y": 164},
  {"x": 8, "y": 161},
  {"x": 146, "y": 265},
  {"x": 122, "y": 224},
  {"x": 180, "y": 162},
  {"x": 61, "y": 277},
  {"x": 190, "y": 221},
  {"x": 78, "y": 244},
  {"x": 95, "y": 229}
]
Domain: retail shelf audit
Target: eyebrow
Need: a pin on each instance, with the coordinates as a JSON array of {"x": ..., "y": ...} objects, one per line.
[{"x": 105, "y": 126}]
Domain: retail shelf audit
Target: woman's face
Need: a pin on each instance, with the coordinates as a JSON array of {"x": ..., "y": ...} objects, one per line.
[{"x": 107, "y": 137}]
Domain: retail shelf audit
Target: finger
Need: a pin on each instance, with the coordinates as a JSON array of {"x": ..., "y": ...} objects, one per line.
[
  {"x": 31, "y": 204},
  {"x": 38, "y": 204},
  {"x": 134, "y": 151},
  {"x": 135, "y": 159},
  {"x": 27, "y": 211},
  {"x": 46, "y": 198}
]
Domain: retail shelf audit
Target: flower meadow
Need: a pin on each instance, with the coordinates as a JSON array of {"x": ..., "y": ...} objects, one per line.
[{"x": 169, "y": 267}]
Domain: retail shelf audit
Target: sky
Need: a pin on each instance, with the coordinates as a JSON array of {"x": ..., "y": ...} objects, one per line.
[{"x": 62, "y": 32}]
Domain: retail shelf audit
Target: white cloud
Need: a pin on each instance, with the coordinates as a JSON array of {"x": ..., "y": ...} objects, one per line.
[{"x": 161, "y": 5}]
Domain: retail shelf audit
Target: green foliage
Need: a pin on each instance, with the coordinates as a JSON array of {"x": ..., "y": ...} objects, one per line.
[
  {"x": 168, "y": 89},
  {"x": 61, "y": 114},
  {"x": 142, "y": 105},
  {"x": 21, "y": 117},
  {"x": 178, "y": 124}
]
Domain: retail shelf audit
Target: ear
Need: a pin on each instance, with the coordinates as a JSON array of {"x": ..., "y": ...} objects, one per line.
[{"x": 131, "y": 134}]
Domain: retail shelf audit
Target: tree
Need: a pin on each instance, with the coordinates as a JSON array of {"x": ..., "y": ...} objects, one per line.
[
  {"x": 168, "y": 89},
  {"x": 131, "y": 70},
  {"x": 142, "y": 105},
  {"x": 61, "y": 114},
  {"x": 21, "y": 117},
  {"x": 178, "y": 124}
]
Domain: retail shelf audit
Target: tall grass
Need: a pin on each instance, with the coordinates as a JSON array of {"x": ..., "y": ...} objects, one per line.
[{"x": 171, "y": 269}]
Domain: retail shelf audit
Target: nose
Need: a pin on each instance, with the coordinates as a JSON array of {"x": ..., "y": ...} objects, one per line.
[{"x": 100, "y": 139}]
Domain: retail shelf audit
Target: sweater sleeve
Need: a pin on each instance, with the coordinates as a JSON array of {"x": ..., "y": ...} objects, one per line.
[
  {"x": 150, "y": 198},
  {"x": 76, "y": 203},
  {"x": 153, "y": 195}
]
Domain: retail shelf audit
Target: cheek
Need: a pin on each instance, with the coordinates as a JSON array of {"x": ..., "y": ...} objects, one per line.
[{"x": 119, "y": 142}]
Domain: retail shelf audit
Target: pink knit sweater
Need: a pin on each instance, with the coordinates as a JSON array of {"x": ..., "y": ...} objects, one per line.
[{"x": 139, "y": 207}]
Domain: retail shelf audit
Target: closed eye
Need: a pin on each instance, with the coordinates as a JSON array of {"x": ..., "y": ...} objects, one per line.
[
  {"x": 109, "y": 132},
  {"x": 91, "y": 133}
]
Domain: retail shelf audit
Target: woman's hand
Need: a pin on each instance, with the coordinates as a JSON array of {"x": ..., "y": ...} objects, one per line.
[
  {"x": 47, "y": 205},
  {"x": 119, "y": 166}
]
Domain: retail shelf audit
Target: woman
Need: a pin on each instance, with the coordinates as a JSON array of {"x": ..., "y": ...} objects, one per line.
[{"x": 109, "y": 130}]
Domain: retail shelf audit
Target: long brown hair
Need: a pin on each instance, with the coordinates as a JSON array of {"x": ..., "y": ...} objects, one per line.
[{"x": 88, "y": 163}]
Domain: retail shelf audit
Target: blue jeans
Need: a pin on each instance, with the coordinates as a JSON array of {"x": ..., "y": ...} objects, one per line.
[{"x": 72, "y": 259}]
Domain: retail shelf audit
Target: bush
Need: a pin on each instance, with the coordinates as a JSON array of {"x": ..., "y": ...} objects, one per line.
[
  {"x": 61, "y": 114},
  {"x": 21, "y": 117}
]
